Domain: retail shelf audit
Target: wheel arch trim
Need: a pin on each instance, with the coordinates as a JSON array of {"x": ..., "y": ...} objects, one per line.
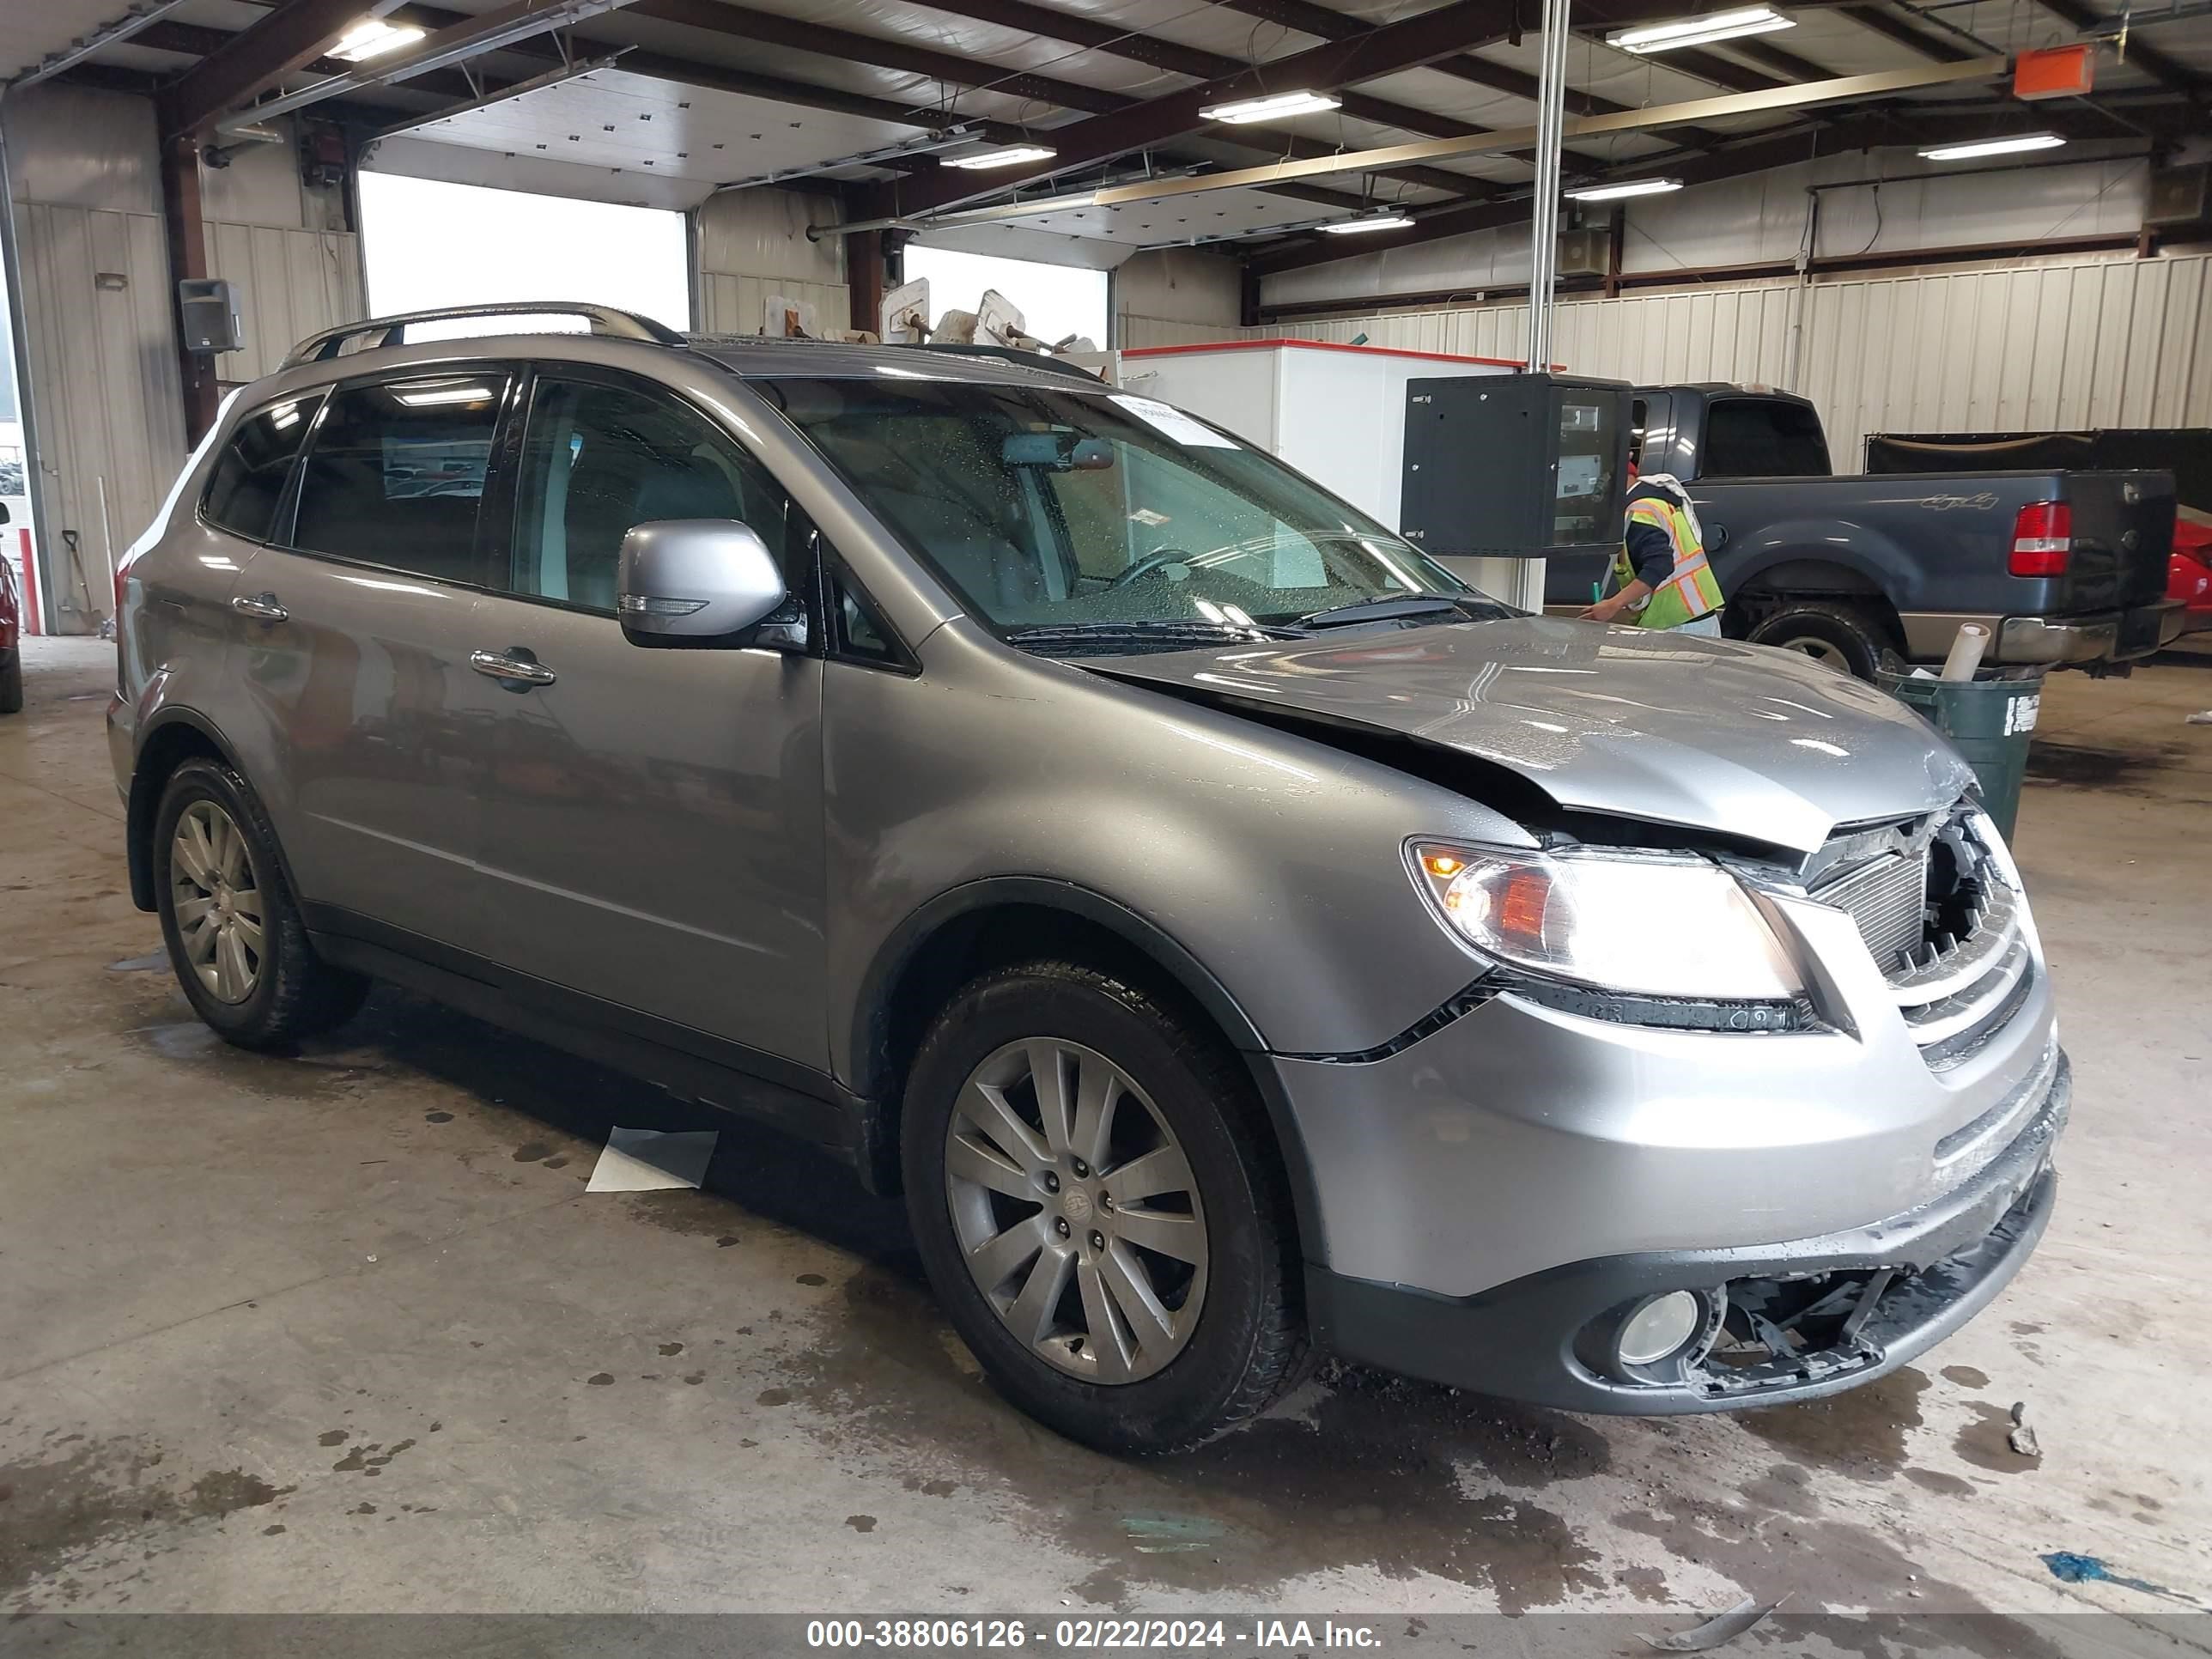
[
  {"x": 144, "y": 802},
  {"x": 869, "y": 1089},
  {"x": 872, "y": 1006}
]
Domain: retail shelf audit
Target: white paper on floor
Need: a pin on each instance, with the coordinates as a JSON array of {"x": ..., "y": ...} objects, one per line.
[{"x": 649, "y": 1161}]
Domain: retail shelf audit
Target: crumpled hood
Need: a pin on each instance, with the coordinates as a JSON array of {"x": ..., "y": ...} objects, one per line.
[{"x": 1670, "y": 727}]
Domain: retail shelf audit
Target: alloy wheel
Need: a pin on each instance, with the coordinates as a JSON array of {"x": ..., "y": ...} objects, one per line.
[
  {"x": 1076, "y": 1210},
  {"x": 1818, "y": 650},
  {"x": 215, "y": 900}
]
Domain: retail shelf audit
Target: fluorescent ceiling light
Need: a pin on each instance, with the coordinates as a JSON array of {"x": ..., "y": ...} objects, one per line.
[
  {"x": 432, "y": 397},
  {"x": 1372, "y": 222},
  {"x": 1700, "y": 31},
  {"x": 1013, "y": 156},
  {"x": 1993, "y": 147},
  {"x": 373, "y": 38},
  {"x": 1272, "y": 108},
  {"x": 1615, "y": 192}
]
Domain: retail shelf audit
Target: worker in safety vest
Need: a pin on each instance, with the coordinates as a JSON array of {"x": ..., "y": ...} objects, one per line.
[{"x": 1660, "y": 578}]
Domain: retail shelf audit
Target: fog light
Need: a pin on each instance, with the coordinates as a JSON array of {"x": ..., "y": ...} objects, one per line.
[{"x": 1658, "y": 1328}]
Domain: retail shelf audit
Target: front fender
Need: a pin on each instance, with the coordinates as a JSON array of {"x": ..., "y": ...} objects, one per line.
[{"x": 1270, "y": 866}]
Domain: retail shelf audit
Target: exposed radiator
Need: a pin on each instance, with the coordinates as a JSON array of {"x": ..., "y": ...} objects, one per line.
[{"x": 1886, "y": 897}]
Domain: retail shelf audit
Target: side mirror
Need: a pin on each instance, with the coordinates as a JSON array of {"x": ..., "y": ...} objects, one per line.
[{"x": 702, "y": 582}]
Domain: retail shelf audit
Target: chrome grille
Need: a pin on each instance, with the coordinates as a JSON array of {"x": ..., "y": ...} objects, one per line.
[{"x": 1884, "y": 897}]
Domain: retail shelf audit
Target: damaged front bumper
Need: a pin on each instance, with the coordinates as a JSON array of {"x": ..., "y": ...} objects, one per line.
[{"x": 1787, "y": 1322}]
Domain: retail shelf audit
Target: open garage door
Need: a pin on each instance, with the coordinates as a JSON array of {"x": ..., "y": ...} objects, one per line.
[{"x": 428, "y": 242}]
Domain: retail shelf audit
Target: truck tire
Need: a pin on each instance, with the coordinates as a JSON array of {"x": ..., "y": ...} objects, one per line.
[
  {"x": 1847, "y": 637},
  {"x": 1137, "y": 1318}
]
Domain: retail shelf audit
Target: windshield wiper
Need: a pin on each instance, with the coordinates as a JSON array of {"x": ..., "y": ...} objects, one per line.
[
  {"x": 1159, "y": 634},
  {"x": 1468, "y": 607}
]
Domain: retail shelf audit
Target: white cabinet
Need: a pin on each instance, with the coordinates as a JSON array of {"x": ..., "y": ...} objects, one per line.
[{"x": 1335, "y": 412}]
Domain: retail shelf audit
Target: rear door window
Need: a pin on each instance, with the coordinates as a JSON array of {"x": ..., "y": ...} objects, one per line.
[
  {"x": 247, "y": 485},
  {"x": 395, "y": 474},
  {"x": 1762, "y": 438}
]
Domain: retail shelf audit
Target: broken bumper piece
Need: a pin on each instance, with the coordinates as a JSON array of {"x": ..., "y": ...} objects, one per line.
[{"x": 1774, "y": 1323}]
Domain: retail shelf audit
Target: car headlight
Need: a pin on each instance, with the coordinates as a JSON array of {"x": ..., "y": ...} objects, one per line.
[{"x": 1646, "y": 924}]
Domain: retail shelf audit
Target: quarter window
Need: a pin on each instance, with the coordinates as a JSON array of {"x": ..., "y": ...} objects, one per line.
[
  {"x": 248, "y": 482},
  {"x": 599, "y": 458},
  {"x": 395, "y": 476}
]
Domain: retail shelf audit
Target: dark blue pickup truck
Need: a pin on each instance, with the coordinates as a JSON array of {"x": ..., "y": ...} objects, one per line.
[{"x": 2065, "y": 569}]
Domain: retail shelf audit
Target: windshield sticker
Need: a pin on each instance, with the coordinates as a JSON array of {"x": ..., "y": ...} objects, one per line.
[{"x": 1174, "y": 423}]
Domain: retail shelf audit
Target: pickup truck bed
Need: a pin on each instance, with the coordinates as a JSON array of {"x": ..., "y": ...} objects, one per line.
[{"x": 2064, "y": 567}]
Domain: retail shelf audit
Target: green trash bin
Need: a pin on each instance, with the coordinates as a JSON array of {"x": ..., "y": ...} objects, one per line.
[{"x": 1990, "y": 720}]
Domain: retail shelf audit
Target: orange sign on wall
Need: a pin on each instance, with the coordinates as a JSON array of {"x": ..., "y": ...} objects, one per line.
[{"x": 2057, "y": 72}]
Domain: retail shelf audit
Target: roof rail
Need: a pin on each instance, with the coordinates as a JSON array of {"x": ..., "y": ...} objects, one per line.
[{"x": 392, "y": 330}]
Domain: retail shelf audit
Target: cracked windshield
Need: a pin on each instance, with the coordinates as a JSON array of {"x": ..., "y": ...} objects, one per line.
[{"x": 1104, "y": 517}]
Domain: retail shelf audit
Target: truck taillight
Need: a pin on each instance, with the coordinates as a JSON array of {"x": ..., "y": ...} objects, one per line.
[{"x": 2042, "y": 537}]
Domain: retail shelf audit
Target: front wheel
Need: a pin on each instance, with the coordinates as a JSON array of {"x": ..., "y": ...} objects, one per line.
[
  {"x": 11, "y": 682},
  {"x": 1090, "y": 1183},
  {"x": 234, "y": 931}
]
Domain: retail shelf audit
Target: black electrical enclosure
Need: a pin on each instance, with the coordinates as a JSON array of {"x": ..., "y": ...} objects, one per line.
[{"x": 1515, "y": 465}]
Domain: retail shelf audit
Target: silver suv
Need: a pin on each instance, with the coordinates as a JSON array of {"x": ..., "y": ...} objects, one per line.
[{"x": 1236, "y": 937}]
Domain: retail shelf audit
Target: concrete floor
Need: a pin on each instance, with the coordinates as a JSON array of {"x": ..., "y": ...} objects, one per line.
[{"x": 345, "y": 1333}]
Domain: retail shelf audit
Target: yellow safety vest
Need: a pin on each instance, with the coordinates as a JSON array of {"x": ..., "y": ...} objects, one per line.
[{"x": 1690, "y": 591}]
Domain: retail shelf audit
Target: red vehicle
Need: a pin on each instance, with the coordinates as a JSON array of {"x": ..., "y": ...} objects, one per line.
[
  {"x": 2189, "y": 572},
  {"x": 11, "y": 635}
]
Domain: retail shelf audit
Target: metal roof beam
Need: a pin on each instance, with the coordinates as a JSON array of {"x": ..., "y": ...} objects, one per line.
[
  {"x": 1840, "y": 89},
  {"x": 2166, "y": 72},
  {"x": 1082, "y": 30},
  {"x": 1883, "y": 22},
  {"x": 1408, "y": 44},
  {"x": 950, "y": 68},
  {"x": 198, "y": 40},
  {"x": 460, "y": 43},
  {"x": 1860, "y": 131},
  {"x": 283, "y": 42},
  {"x": 977, "y": 75}
]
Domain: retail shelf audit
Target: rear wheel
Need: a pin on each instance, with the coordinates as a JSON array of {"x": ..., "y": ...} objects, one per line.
[
  {"x": 1844, "y": 635},
  {"x": 232, "y": 929},
  {"x": 11, "y": 682},
  {"x": 1087, "y": 1175}
]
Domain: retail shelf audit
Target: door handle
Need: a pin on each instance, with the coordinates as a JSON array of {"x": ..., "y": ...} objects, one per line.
[
  {"x": 515, "y": 668},
  {"x": 261, "y": 607}
]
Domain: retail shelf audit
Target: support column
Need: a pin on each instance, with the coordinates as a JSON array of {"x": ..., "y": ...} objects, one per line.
[
  {"x": 1543, "y": 221},
  {"x": 187, "y": 234}
]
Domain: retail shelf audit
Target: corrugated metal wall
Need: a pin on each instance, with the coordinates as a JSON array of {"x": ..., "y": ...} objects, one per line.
[
  {"x": 752, "y": 243},
  {"x": 2118, "y": 342},
  {"x": 103, "y": 368},
  {"x": 98, "y": 310},
  {"x": 288, "y": 247},
  {"x": 2056, "y": 343},
  {"x": 111, "y": 433},
  {"x": 290, "y": 284}
]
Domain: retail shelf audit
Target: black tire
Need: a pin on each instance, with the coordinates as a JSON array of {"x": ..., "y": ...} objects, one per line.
[
  {"x": 11, "y": 682},
  {"x": 1848, "y": 637},
  {"x": 1249, "y": 1342},
  {"x": 294, "y": 994}
]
